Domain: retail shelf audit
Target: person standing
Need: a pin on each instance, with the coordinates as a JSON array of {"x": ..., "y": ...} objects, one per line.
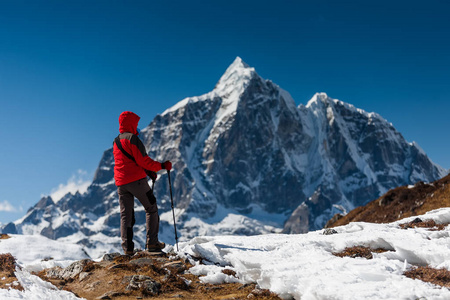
[{"x": 132, "y": 165}]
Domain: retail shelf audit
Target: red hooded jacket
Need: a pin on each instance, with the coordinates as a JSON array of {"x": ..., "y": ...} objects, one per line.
[{"x": 125, "y": 169}]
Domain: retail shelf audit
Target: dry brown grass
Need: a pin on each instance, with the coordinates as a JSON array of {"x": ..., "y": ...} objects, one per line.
[
  {"x": 400, "y": 203},
  {"x": 7, "y": 268},
  {"x": 4, "y": 236},
  {"x": 431, "y": 224},
  {"x": 439, "y": 277},
  {"x": 7, "y": 262},
  {"x": 229, "y": 272},
  {"x": 439, "y": 198},
  {"x": 359, "y": 251}
]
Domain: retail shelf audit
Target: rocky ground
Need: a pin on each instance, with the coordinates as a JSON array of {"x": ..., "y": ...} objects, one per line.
[
  {"x": 143, "y": 275},
  {"x": 400, "y": 203},
  {"x": 7, "y": 268}
]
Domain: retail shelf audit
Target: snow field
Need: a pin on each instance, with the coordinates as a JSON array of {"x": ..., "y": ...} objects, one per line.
[
  {"x": 303, "y": 266},
  {"x": 34, "y": 253}
]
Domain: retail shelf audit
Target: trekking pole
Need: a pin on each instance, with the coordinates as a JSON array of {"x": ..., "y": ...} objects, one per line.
[{"x": 173, "y": 211}]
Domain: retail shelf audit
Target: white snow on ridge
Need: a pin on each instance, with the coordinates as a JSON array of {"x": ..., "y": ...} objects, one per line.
[{"x": 322, "y": 98}]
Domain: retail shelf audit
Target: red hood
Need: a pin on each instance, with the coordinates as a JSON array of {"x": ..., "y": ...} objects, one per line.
[{"x": 128, "y": 122}]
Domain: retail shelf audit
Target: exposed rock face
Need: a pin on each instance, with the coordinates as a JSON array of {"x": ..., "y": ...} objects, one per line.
[
  {"x": 71, "y": 271},
  {"x": 246, "y": 160}
]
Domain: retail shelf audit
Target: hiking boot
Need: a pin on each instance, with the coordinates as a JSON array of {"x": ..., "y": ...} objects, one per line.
[
  {"x": 129, "y": 252},
  {"x": 155, "y": 247}
]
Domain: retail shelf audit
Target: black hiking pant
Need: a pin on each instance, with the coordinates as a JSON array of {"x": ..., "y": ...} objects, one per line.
[{"x": 142, "y": 191}]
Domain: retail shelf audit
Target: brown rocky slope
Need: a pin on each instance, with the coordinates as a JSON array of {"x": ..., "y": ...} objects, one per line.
[{"x": 399, "y": 203}]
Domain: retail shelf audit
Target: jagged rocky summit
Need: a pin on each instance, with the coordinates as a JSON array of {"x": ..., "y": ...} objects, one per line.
[{"x": 247, "y": 161}]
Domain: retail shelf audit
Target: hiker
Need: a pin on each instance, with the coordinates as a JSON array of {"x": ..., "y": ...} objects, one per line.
[{"x": 132, "y": 165}]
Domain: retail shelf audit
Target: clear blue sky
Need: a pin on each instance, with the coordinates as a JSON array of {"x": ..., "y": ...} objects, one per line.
[{"x": 69, "y": 68}]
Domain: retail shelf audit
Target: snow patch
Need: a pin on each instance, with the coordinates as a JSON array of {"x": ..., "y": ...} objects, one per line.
[{"x": 35, "y": 288}]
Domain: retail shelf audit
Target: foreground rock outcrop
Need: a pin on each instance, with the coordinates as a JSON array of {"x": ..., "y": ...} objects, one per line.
[
  {"x": 143, "y": 275},
  {"x": 8, "y": 265}
]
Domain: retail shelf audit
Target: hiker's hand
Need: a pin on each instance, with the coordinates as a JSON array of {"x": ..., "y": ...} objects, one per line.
[
  {"x": 151, "y": 174},
  {"x": 166, "y": 165}
]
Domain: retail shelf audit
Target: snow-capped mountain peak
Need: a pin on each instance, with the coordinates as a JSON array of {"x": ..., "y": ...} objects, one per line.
[
  {"x": 317, "y": 98},
  {"x": 320, "y": 100},
  {"x": 235, "y": 79},
  {"x": 230, "y": 86},
  {"x": 322, "y": 103}
]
